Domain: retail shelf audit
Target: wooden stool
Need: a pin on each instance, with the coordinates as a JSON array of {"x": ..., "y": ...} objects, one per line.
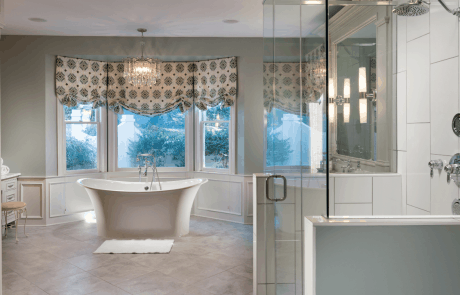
[{"x": 18, "y": 208}]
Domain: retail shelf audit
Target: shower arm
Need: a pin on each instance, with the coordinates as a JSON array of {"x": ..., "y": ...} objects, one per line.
[{"x": 455, "y": 12}]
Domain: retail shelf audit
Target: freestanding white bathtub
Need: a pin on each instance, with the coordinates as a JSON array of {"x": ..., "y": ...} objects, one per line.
[{"x": 128, "y": 210}]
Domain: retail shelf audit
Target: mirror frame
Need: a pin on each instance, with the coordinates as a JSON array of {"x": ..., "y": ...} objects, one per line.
[{"x": 348, "y": 21}]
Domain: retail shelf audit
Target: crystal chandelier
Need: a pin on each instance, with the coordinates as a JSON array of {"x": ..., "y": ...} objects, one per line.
[
  {"x": 142, "y": 71},
  {"x": 318, "y": 72}
]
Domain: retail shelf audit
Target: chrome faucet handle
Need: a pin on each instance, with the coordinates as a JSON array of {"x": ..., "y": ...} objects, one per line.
[
  {"x": 146, "y": 167},
  {"x": 448, "y": 169},
  {"x": 435, "y": 164},
  {"x": 451, "y": 169}
]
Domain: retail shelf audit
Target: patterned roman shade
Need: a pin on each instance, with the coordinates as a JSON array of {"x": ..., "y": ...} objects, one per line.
[
  {"x": 81, "y": 81},
  {"x": 373, "y": 66},
  {"x": 216, "y": 82},
  {"x": 210, "y": 83},
  {"x": 290, "y": 86},
  {"x": 173, "y": 90}
]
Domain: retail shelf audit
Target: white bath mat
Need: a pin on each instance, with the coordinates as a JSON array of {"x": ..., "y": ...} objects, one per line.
[{"x": 135, "y": 247}]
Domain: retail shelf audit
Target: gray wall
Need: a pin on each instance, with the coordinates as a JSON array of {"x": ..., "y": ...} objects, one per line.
[
  {"x": 29, "y": 104},
  {"x": 388, "y": 260}
]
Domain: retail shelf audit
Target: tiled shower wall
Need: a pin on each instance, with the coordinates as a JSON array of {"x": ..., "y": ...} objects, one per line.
[{"x": 427, "y": 76}]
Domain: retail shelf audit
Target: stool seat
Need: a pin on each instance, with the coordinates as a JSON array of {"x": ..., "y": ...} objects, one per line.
[
  {"x": 13, "y": 206},
  {"x": 18, "y": 208}
]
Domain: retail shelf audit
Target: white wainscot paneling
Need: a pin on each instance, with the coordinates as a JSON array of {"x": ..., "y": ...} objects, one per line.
[
  {"x": 70, "y": 194},
  {"x": 443, "y": 31},
  {"x": 353, "y": 190},
  {"x": 353, "y": 209},
  {"x": 387, "y": 195},
  {"x": 221, "y": 196},
  {"x": 57, "y": 199},
  {"x": 444, "y": 106},
  {"x": 67, "y": 197},
  {"x": 249, "y": 198},
  {"x": 418, "y": 79},
  {"x": 32, "y": 193}
]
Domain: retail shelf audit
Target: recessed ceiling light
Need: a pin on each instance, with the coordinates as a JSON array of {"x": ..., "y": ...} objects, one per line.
[
  {"x": 37, "y": 20},
  {"x": 230, "y": 21}
]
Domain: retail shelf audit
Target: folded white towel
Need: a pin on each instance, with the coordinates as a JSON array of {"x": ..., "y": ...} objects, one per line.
[{"x": 5, "y": 170}]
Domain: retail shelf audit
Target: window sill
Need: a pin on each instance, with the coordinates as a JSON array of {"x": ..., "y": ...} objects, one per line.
[{"x": 226, "y": 172}]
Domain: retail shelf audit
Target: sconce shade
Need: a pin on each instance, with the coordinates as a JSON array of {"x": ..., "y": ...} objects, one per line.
[
  {"x": 331, "y": 88},
  {"x": 346, "y": 88},
  {"x": 346, "y": 112},
  {"x": 363, "y": 110},
  {"x": 362, "y": 80},
  {"x": 331, "y": 112}
]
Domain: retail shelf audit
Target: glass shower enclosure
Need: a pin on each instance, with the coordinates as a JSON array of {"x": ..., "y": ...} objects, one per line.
[
  {"x": 329, "y": 117},
  {"x": 295, "y": 107}
]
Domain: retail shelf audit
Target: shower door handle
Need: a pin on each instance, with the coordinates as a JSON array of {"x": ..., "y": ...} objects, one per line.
[{"x": 267, "y": 187}]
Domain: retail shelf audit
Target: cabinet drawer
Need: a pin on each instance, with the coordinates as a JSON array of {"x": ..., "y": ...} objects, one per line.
[
  {"x": 9, "y": 197},
  {"x": 353, "y": 189},
  {"x": 11, "y": 185},
  {"x": 9, "y": 217}
]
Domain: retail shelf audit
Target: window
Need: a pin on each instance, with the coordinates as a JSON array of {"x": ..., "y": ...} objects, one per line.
[
  {"x": 164, "y": 135},
  {"x": 81, "y": 143},
  {"x": 85, "y": 147},
  {"x": 215, "y": 139},
  {"x": 288, "y": 139}
]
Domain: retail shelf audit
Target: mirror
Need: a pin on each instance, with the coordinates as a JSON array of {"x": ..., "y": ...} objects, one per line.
[{"x": 360, "y": 104}]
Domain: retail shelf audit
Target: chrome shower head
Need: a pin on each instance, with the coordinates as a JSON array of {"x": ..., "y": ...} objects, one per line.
[{"x": 413, "y": 8}]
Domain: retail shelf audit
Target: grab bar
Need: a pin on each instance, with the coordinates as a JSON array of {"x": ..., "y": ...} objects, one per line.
[{"x": 267, "y": 186}]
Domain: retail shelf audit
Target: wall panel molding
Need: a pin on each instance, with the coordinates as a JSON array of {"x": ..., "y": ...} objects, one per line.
[
  {"x": 249, "y": 197},
  {"x": 31, "y": 199},
  {"x": 239, "y": 203}
]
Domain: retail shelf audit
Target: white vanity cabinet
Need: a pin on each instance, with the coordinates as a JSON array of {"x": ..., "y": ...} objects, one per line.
[
  {"x": 366, "y": 194},
  {"x": 9, "y": 192}
]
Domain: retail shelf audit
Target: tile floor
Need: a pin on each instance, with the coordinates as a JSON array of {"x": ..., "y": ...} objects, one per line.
[{"x": 215, "y": 258}]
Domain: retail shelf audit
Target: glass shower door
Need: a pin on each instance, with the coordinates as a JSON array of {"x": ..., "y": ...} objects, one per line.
[{"x": 294, "y": 77}]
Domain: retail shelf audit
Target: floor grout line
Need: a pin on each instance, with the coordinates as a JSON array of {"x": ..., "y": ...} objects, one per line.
[{"x": 215, "y": 237}]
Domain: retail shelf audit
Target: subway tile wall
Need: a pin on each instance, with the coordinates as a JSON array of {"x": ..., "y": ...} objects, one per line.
[{"x": 427, "y": 78}]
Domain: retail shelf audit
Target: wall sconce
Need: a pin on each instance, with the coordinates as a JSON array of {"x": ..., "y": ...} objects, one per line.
[
  {"x": 331, "y": 101},
  {"x": 339, "y": 100},
  {"x": 346, "y": 96},
  {"x": 364, "y": 96}
]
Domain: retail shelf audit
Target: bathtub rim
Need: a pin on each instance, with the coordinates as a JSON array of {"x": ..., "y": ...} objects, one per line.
[{"x": 80, "y": 182}]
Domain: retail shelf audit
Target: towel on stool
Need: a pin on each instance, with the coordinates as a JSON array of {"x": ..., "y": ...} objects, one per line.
[{"x": 5, "y": 170}]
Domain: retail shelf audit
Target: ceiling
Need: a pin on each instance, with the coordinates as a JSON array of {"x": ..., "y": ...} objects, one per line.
[
  {"x": 162, "y": 18},
  {"x": 165, "y": 18}
]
